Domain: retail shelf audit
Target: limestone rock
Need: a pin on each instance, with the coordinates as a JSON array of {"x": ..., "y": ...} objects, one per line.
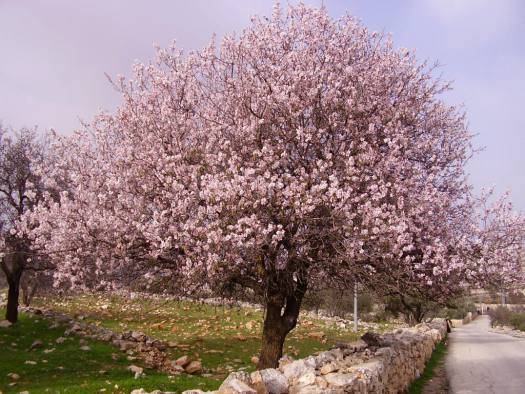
[
  {"x": 5, "y": 324},
  {"x": 138, "y": 371},
  {"x": 343, "y": 380},
  {"x": 36, "y": 344},
  {"x": 307, "y": 379},
  {"x": 240, "y": 375},
  {"x": 270, "y": 381},
  {"x": 328, "y": 368},
  {"x": 193, "y": 367},
  {"x": 358, "y": 346},
  {"x": 235, "y": 386},
  {"x": 197, "y": 392},
  {"x": 295, "y": 369},
  {"x": 183, "y": 361}
]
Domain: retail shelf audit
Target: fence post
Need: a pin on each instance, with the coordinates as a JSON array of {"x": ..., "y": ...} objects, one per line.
[{"x": 355, "y": 307}]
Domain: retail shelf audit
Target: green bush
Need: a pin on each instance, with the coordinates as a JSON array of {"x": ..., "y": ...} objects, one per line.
[
  {"x": 459, "y": 309},
  {"x": 503, "y": 316}
]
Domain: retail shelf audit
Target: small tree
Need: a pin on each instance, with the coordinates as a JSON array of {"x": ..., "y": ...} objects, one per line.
[{"x": 20, "y": 189}]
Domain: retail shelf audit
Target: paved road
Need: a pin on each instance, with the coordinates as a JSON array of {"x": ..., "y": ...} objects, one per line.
[{"x": 480, "y": 362}]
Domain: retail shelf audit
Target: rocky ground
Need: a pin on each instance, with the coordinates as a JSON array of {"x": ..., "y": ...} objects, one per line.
[{"x": 376, "y": 364}]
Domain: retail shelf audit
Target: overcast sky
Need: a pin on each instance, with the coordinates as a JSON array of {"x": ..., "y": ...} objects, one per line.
[{"x": 54, "y": 53}]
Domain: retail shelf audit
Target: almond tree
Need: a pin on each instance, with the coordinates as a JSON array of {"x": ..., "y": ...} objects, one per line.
[
  {"x": 302, "y": 150},
  {"x": 20, "y": 189}
]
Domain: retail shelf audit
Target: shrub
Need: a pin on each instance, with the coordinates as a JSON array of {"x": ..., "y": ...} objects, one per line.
[{"x": 503, "y": 316}]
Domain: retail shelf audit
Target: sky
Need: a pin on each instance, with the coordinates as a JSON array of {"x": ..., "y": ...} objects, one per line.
[{"x": 54, "y": 55}]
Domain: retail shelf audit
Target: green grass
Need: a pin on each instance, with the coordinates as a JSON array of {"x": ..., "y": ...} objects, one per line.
[
  {"x": 437, "y": 356},
  {"x": 67, "y": 369},
  {"x": 224, "y": 339}
]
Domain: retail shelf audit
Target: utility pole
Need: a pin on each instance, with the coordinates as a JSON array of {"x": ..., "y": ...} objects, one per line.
[{"x": 355, "y": 306}]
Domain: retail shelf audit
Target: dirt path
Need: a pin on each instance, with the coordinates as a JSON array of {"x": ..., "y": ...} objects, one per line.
[{"x": 480, "y": 362}]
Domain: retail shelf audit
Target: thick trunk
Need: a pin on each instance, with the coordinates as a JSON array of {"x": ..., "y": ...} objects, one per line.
[
  {"x": 281, "y": 317},
  {"x": 274, "y": 334},
  {"x": 13, "y": 297}
]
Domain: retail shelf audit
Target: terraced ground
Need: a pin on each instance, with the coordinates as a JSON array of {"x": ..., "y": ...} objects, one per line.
[
  {"x": 65, "y": 368},
  {"x": 223, "y": 338}
]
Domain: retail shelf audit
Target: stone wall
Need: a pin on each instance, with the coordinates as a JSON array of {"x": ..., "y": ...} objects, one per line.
[
  {"x": 385, "y": 363},
  {"x": 466, "y": 320}
]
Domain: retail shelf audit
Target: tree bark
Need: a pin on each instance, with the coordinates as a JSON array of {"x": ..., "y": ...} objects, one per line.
[
  {"x": 13, "y": 295},
  {"x": 281, "y": 317}
]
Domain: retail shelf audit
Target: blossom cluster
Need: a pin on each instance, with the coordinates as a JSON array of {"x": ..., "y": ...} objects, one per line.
[{"x": 304, "y": 147}]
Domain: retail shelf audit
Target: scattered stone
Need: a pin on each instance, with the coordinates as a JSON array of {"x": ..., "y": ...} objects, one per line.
[
  {"x": 30, "y": 362},
  {"x": 138, "y": 371},
  {"x": 138, "y": 336},
  {"x": 14, "y": 376},
  {"x": 60, "y": 340},
  {"x": 36, "y": 344},
  {"x": 254, "y": 360},
  {"x": 142, "y": 391},
  {"x": 175, "y": 368},
  {"x": 5, "y": 324},
  {"x": 319, "y": 335},
  {"x": 193, "y": 367},
  {"x": 183, "y": 361},
  {"x": 85, "y": 348}
]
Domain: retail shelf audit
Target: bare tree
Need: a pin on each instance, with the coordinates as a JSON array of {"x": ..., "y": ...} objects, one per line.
[{"x": 21, "y": 152}]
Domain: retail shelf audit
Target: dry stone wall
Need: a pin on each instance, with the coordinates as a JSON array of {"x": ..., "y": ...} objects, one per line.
[{"x": 384, "y": 364}]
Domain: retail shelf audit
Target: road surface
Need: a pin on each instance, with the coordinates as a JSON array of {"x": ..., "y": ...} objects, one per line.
[{"x": 480, "y": 362}]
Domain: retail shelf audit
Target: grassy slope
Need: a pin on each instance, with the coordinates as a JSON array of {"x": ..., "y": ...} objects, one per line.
[
  {"x": 223, "y": 338},
  {"x": 68, "y": 369}
]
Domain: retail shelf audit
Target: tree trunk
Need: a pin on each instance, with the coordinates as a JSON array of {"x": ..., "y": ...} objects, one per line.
[
  {"x": 12, "y": 296},
  {"x": 281, "y": 317}
]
